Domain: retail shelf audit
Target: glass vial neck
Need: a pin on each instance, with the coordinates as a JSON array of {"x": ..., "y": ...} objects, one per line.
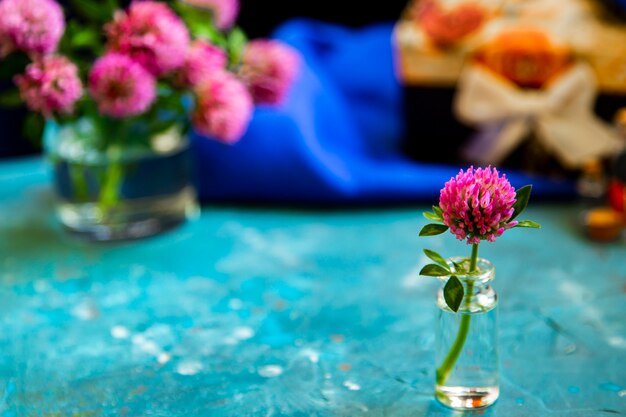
[{"x": 479, "y": 295}]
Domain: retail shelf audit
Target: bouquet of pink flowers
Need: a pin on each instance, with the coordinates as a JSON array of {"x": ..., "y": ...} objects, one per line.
[{"x": 152, "y": 64}]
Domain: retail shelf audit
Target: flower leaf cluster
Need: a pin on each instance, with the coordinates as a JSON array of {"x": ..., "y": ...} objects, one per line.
[{"x": 453, "y": 292}]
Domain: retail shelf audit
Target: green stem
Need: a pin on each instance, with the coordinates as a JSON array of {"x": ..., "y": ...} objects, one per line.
[
  {"x": 474, "y": 258},
  {"x": 80, "y": 189},
  {"x": 111, "y": 184},
  {"x": 457, "y": 346}
]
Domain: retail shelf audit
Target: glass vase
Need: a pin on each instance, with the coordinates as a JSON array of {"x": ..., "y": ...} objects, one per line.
[
  {"x": 467, "y": 375},
  {"x": 119, "y": 183}
]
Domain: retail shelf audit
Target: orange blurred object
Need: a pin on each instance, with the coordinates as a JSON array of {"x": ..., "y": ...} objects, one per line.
[
  {"x": 604, "y": 224},
  {"x": 525, "y": 56},
  {"x": 447, "y": 27}
]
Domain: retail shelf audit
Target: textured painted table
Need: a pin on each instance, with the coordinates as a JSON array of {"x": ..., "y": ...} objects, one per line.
[{"x": 247, "y": 312}]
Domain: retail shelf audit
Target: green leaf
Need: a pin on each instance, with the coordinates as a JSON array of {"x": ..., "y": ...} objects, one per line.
[
  {"x": 522, "y": 196},
  {"x": 110, "y": 6},
  {"x": 13, "y": 64},
  {"x": 438, "y": 211},
  {"x": 528, "y": 223},
  {"x": 94, "y": 11},
  {"x": 90, "y": 10},
  {"x": 453, "y": 293},
  {"x": 434, "y": 270},
  {"x": 200, "y": 23},
  {"x": 433, "y": 229},
  {"x": 207, "y": 32},
  {"x": 237, "y": 41},
  {"x": 10, "y": 98},
  {"x": 33, "y": 128},
  {"x": 86, "y": 37},
  {"x": 432, "y": 216},
  {"x": 437, "y": 258}
]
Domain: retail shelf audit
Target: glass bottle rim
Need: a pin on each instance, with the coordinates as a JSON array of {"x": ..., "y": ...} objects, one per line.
[{"x": 486, "y": 270}]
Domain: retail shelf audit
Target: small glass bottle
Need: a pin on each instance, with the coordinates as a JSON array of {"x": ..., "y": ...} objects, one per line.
[
  {"x": 592, "y": 184},
  {"x": 467, "y": 341}
]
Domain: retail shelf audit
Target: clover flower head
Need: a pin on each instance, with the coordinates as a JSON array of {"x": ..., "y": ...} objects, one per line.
[
  {"x": 120, "y": 86},
  {"x": 223, "y": 107},
  {"x": 269, "y": 67},
  {"x": 50, "y": 84},
  {"x": 477, "y": 204},
  {"x": 32, "y": 26},
  {"x": 202, "y": 58},
  {"x": 150, "y": 33}
]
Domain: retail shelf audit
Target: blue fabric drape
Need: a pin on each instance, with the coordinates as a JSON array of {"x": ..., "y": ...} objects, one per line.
[{"x": 336, "y": 139}]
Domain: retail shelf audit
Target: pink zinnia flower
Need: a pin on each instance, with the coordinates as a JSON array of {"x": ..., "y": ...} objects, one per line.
[
  {"x": 120, "y": 86},
  {"x": 50, "y": 84},
  {"x": 477, "y": 204},
  {"x": 32, "y": 26},
  {"x": 225, "y": 12},
  {"x": 202, "y": 58},
  {"x": 268, "y": 68},
  {"x": 223, "y": 108},
  {"x": 152, "y": 34}
]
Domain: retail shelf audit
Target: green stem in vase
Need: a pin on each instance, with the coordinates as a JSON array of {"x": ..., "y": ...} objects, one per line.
[
  {"x": 457, "y": 346},
  {"x": 80, "y": 188},
  {"x": 112, "y": 182}
]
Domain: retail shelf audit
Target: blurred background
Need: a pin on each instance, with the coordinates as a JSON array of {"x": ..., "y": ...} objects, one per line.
[{"x": 393, "y": 97}]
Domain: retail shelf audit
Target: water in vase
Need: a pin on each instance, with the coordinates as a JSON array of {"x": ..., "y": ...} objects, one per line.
[
  {"x": 473, "y": 380},
  {"x": 129, "y": 198}
]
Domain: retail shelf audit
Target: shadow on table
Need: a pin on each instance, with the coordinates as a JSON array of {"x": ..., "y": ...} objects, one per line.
[
  {"x": 33, "y": 228},
  {"x": 30, "y": 228}
]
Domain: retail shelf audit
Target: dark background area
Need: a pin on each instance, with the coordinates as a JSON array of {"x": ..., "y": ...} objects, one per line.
[{"x": 259, "y": 18}]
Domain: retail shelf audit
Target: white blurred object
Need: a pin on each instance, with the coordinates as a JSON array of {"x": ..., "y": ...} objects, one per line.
[{"x": 561, "y": 116}]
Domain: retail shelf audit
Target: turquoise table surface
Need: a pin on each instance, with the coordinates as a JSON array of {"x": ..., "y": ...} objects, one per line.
[{"x": 278, "y": 312}]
